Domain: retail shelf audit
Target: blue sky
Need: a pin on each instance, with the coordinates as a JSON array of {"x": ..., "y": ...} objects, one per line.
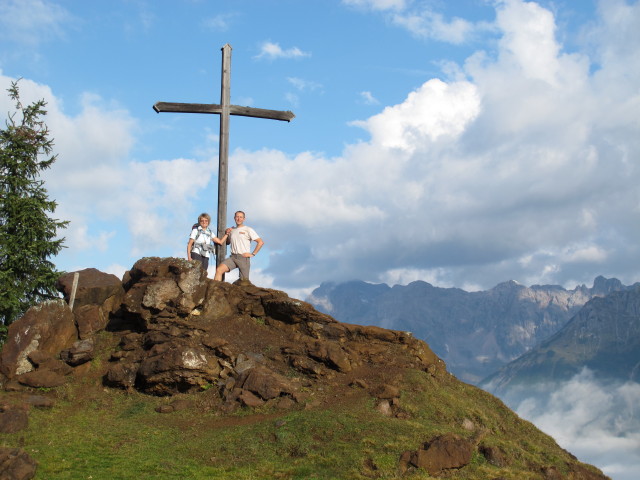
[{"x": 462, "y": 143}]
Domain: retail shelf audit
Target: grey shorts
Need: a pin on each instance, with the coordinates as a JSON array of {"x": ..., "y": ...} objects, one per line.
[{"x": 240, "y": 262}]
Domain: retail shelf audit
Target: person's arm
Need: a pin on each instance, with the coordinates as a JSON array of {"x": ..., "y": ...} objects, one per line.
[
  {"x": 220, "y": 241},
  {"x": 189, "y": 247},
  {"x": 259, "y": 244}
]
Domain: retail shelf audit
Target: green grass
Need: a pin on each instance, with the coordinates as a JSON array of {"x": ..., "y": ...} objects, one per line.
[{"x": 93, "y": 433}]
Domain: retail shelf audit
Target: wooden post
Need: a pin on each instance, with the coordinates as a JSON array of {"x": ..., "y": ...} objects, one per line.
[
  {"x": 223, "y": 154},
  {"x": 74, "y": 287}
]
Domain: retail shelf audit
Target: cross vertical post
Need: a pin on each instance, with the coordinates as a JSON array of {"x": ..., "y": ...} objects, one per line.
[
  {"x": 223, "y": 154},
  {"x": 224, "y": 109}
]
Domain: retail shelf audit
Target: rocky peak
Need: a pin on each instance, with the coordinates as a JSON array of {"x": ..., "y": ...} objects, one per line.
[
  {"x": 604, "y": 286},
  {"x": 175, "y": 331}
]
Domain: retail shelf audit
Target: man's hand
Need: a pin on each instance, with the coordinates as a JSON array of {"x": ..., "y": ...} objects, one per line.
[{"x": 247, "y": 255}]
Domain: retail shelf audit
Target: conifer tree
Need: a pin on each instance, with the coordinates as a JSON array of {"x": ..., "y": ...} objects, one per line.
[{"x": 28, "y": 235}]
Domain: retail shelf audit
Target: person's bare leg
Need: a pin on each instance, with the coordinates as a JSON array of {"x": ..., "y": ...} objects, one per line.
[{"x": 220, "y": 271}]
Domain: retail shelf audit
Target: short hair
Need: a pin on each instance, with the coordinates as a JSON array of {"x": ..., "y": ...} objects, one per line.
[
  {"x": 204, "y": 215},
  {"x": 240, "y": 211}
]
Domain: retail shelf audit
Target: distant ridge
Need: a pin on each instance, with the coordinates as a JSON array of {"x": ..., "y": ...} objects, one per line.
[
  {"x": 604, "y": 336},
  {"x": 475, "y": 333}
]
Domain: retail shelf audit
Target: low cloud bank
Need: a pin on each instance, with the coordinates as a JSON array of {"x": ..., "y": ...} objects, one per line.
[{"x": 596, "y": 420}]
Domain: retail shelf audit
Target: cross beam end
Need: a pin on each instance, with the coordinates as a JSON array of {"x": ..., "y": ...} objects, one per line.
[{"x": 187, "y": 107}]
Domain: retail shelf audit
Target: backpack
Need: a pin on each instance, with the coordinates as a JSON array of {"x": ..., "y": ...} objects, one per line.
[{"x": 207, "y": 247}]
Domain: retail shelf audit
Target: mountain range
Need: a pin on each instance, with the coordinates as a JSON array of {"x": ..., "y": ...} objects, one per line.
[
  {"x": 475, "y": 333},
  {"x": 604, "y": 336}
]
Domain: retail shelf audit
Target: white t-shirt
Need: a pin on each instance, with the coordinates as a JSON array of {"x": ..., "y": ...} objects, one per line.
[
  {"x": 201, "y": 237},
  {"x": 241, "y": 238}
]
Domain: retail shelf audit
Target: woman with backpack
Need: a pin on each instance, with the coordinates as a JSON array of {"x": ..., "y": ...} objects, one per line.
[{"x": 200, "y": 246}]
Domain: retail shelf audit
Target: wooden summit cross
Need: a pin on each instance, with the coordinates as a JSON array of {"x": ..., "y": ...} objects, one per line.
[{"x": 224, "y": 110}]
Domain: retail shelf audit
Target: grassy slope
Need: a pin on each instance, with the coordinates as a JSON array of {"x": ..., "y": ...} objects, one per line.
[{"x": 97, "y": 433}]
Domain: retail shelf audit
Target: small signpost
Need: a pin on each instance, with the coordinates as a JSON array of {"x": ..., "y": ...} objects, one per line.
[{"x": 224, "y": 109}]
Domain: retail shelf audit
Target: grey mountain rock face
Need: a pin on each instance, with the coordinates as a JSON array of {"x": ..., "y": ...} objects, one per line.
[
  {"x": 476, "y": 333},
  {"x": 603, "y": 336}
]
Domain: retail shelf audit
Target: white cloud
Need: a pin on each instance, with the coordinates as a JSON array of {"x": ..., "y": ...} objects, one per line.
[
  {"x": 292, "y": 98},
  {"x": 272, "y": 51},
  {"x": 368, "y": 98},
  {"x": 378, "y": 4},
  {"x": 117, "y": 270},
  {"x": 595, "y": 421},
  {"x": 220, "y": 22},
  {"x": 30, "y": 22},
  {"x": 304, "y": 85},
  {"x": 79, "y": 237},
  {"x": 528, "y": 39},
  {"x": 588, "y": 253},
  {"x": 404, "y": 276},
  {"x": 434, "y": 110},
  {"x": 421, "y": 20},
  {"x": 429, "y": 24}
]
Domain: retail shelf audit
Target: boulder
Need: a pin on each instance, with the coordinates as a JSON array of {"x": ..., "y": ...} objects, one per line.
[
  {"x": 440, "y": 453},
  {"x": 46, "y": 361},
  {"x": 48, "y": 327},
  {"x": 177, "y": 368},
  {"x": 90, "y": 319},
  {"x": 494, "y": 455},
  {"x": 121, "y": 375},
  {"x": 39, "y": 401},
  {"x": 265, "y": 383},
  {"x": 330, "y": 354},
  {"x": 13, "y": 419},
  {"x": 41, "y": 379},
  {"x": 292, "y": 311},
  {"x": 248, "y": 399},
  {"x": 94, "y": 288},
  {"x": 384, "y": 407},
  {"x": 16, "y": 464},
  {"x": 163, "y": 286},
  {"x": 80, "y": 352}
]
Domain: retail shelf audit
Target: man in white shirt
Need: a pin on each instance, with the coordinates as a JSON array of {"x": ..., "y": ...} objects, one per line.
[{"x": 240, "y": 238}]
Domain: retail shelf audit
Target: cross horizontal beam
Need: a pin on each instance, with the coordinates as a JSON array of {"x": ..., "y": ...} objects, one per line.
[{"x": 286, "y": 116}]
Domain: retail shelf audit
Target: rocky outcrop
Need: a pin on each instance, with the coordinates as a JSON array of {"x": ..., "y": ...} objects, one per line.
[
  {"x": 175, "y": 331},
  {"x": 46, "y": 328},
  {"x": 181, "y": 333}
]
